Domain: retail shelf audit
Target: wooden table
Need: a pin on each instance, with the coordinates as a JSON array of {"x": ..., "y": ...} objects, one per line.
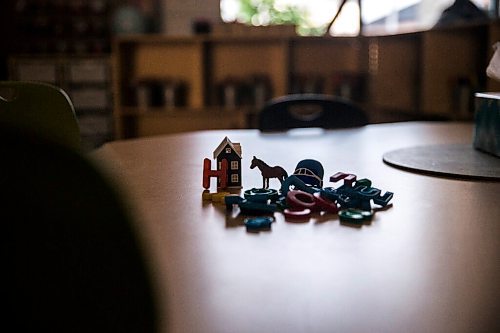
[{"x": 429, "y": 263}]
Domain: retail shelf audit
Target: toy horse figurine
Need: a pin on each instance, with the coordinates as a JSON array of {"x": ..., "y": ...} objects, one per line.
[{"x": 268, "y": 171}]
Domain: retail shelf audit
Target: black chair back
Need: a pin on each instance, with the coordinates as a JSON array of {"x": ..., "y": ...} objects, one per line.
[{"x": 310, "y": 110}]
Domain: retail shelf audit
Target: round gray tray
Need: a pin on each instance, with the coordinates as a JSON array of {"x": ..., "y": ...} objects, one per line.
[{"x": 450, "y": 160}]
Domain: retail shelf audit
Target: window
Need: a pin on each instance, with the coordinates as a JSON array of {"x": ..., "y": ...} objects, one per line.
[
  {"x": 234, "y": 165},
  {"x": 234, "y": 178},
  {"x": 228, "y": 150},
  {"x": 312, "y": 16}
]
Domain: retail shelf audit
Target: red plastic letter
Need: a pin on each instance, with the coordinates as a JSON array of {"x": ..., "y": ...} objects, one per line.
[{"x": 208, "y": 173}]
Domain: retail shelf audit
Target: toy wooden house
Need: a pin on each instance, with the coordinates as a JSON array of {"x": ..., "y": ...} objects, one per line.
[{"x": 231, "y": 152}]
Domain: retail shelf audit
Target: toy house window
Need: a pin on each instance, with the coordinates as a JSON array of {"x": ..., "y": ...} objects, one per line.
[
  {"x": 234, "y": 178},
  {"x": 220, "y": 165},
  {"x": 234, "y": 165},
  {"x": 228, "y": 150}
]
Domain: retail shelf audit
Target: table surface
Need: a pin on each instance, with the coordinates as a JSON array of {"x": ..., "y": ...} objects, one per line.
[{"x": 429, "y": 263}]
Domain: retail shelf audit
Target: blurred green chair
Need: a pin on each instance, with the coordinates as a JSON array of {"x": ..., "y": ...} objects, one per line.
[{"x": 40, "y": 108}]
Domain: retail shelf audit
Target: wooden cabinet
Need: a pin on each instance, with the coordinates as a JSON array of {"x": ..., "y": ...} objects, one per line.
[
  {"x": 393, "y": 66},
  {"x": 166, "y": 84},
  {"x": 247, "y": 59},
  {"x": 334, "y": 66},
  {"x": 453, "y": 67}
]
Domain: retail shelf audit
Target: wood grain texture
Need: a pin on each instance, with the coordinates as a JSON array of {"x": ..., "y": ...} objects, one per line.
[{"x": 430, "y": 263}]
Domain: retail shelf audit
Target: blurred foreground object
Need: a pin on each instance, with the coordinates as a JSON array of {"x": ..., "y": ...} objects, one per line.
[{"x": 72, "y": 259}]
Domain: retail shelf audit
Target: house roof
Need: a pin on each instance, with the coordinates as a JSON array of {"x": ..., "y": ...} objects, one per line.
[{"x": 235, "y": 146}]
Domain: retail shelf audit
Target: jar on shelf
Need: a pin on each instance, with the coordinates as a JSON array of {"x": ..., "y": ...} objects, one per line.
[{"x": 174, "y": 93}]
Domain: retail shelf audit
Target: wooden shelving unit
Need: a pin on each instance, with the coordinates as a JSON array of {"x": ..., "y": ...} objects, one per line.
[
  {"x": 210, "y": 67},
  {"x": 398, "y": 77},
  {"x": 329, "y": 59},
  {"x": 393, "y": 67},
  {"x": 148, "y": 59},
  {"x": 453, "y": 63}
]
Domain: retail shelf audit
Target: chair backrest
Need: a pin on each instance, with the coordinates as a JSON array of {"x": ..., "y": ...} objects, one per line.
[
  {"x": 71, "y": 258},
  {"x": 41, "y": 108},
  {"x": 310, "y": 110}
]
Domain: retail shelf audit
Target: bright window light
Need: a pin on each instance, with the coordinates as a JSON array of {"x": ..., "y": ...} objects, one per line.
[{"x": 313, "y": 16}]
